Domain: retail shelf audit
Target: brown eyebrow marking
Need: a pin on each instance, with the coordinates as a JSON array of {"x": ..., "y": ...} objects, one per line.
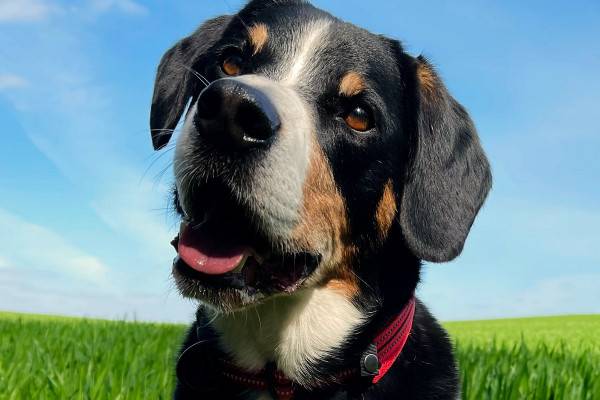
[
  {"x": 352, "y": 84},
  {"x": 258, "y": 35},
  {"x": 427, "y": 78}
]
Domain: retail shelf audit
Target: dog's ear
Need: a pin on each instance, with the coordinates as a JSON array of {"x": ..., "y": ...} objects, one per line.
[
  {"x": 448, "y": 175},
  {"x": 176, "y": 82}
]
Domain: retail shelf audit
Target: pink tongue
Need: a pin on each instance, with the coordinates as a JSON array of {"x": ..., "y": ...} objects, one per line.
[{"x": 201, "y": 253}]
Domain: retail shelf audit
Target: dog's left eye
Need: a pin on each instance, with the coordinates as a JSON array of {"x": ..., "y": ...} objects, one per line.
[
  {"x": 232, "y": 62},
  {"x": 359, "y": 118}
]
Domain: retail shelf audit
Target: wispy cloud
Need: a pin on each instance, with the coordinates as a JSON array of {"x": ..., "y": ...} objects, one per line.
[
  {"x": 27, "y": 245},
  {"x": 25, "y": 10},
  {"x": 126, "y": 6},
  {"x": 132, "y": 210},
  {"x": 29, "y": 291},
  {"x": 99, "y": 163},
  {"x": 562, "y": 294},
  {"x": 12, "y": 81},
  {"x": 72, "y": 117}
]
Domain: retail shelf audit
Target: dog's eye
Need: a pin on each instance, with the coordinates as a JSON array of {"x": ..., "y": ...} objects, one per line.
[
  {"x": 359, "y": 118},
  {"x": 232, "y": 62}
]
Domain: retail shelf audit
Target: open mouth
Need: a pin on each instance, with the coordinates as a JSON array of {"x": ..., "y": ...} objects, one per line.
[{"x": 225, "y": 251}]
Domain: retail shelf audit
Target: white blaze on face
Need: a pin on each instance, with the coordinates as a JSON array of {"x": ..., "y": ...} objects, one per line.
[
  {"x": 275, "y": 186},
  {"x": 278, "y": 181},
  {"x": 301, "y": 60}
]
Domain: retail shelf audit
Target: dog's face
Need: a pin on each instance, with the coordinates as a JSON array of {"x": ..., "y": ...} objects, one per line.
[{"x": 309, "y": 144}]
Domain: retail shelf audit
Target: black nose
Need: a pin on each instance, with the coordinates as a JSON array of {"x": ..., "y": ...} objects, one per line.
[{"x": 235, "y": 115}]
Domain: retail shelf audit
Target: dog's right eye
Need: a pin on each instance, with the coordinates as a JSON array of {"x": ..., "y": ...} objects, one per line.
[{"x": 232, "y": 62}]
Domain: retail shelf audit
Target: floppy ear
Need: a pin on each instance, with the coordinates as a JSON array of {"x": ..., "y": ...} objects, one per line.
[
  {"x": 175, "y": 80},
  {"x": 448, "y": 177}
]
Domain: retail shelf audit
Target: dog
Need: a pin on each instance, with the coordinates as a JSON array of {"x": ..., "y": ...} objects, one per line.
[{"x": 317, "y": 167}]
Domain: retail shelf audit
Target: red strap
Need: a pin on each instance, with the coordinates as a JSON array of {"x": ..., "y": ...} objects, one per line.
[
  {"x": 282, "y": 386},
  {"x": 392, "y": 339}
]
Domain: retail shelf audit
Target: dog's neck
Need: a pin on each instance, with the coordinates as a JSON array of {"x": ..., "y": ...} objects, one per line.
[{"x": 294, "y": 331}]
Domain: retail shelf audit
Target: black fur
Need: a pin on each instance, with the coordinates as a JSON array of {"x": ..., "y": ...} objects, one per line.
[
  {"x": 175, "y": 81},
  {"x": 424, "y": 142},
  {"x": 449, "y": 173}
]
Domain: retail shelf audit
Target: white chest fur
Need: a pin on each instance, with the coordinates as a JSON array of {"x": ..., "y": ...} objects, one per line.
[{"x": 292, "y": 330}]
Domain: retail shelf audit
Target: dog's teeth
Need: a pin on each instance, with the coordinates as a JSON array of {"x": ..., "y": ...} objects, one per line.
[{"x": 240, "y": 266}]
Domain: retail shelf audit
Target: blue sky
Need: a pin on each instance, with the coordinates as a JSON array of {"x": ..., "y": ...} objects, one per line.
[{"x": 83, "y": 226}]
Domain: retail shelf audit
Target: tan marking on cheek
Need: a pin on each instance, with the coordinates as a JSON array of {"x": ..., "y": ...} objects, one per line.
[
  {"x": 386, "y": 210},
  {"x": 427, "y": 79},
  {"x": 258, "y": 34},
  {"x": 352, "y": 84},
  {"x": 323, "y": 209},
  {"x": 324, "y": 225}
]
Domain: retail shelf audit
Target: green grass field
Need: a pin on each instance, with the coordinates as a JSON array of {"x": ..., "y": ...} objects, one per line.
[
  {"x": 532, "y": 358},
  {"x": 63, "y": 358}
]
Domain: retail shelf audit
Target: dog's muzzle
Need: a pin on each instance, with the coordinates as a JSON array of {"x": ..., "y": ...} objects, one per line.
[
  {"x": 240, "y": 167},
  {"x": 234, "y": 116}
]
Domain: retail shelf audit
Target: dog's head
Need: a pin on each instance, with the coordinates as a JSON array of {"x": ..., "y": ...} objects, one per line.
[{"x": 309, "y": 144}]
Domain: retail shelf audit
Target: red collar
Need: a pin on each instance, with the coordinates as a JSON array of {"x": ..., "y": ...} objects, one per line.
[
  {"x": 374, "y": 364},
  {"x": 392, "y": 339}
]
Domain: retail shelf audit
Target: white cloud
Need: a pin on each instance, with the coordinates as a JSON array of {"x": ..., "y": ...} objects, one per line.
[
  {"x": 20, "y": 11},
  {"x": 561, "y": 295},
  {"x": 575, "y": 293},
  {"x": 131, "y": 209},
  {"x": 67, "y": 100},
  {"x": 3, "y": 263},
  {"x": 126, "y": 6},
  {"x": 26, "y": 291},
  {"x": 25, "y": 10},
  {"x": 11, "y": 81},
  {"x": 26, "y": 245}
]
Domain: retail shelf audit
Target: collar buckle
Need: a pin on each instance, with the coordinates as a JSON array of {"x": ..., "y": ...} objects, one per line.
[{"x": 369, "y": 362}]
